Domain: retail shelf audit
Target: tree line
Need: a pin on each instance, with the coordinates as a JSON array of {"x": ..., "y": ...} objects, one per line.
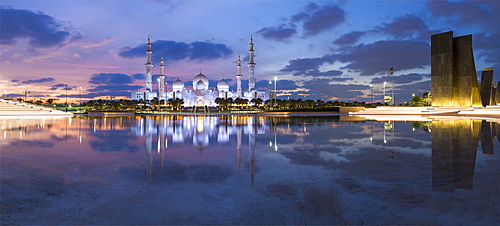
[{"x": 230, "y": 104}]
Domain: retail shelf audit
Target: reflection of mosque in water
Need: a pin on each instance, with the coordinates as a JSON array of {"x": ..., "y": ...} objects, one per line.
[
  {"x": 454, "y": 141},
  {"x": 200, "y": 130}
]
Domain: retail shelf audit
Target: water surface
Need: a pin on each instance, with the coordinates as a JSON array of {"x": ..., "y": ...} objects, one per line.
[{"x": 249, "y": 170}]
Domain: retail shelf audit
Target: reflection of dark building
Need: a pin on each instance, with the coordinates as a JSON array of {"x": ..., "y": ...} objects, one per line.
[{"x": 454, "y": 148}]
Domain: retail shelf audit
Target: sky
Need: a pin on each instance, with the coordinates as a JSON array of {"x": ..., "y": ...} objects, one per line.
[{"x": 328, "y": 50}]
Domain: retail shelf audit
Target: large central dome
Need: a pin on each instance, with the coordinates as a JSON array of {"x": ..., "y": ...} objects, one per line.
[{"x": 200, "y": 77}]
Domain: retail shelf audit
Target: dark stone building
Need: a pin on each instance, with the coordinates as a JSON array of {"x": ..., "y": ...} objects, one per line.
[
  {"x": 453, "y": 71},
  {"x": 488, "y": 90}
]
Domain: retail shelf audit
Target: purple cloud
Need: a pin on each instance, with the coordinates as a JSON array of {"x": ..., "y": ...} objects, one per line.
[
  {"x": 378, "y": 57},
  {"x": 62, "y": 87},
  {"x": 349, "y": 38},
  {"x": 407, "y": 26},
  {"x": 325, "y": 18},
  {"x": 400, "y": 79},
  {"x": 303, "y": 64},
  {"x": 110, "y": 78},
  {"x": 280, "y": 33},
  {"x": 314, "y": 19},
  {"x": 484, "y": 13},
  {"x": 172, "y": 51},
  {"x": 317, "y": 73},
  {"x": 209, "y": 51},
  {"x": 138, "y": 76},
  {"x": 115, "y": 87},
  {"x": 42, "y": 30},
  {"x": 42, "y": 80}
]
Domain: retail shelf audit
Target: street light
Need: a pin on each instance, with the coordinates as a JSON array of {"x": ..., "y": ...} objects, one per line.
[
  {"x": 384, "y": 92},
  {"x": 25, "y": 94},
  {"x": 371, "y": 93},
  {"x": 275, "y": 92},
  {"x": 66, "y": 97},
  {"x": 80, "y": 94}
]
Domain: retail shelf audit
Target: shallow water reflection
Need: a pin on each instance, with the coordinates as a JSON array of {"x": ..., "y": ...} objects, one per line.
[{"x": 249, "y": 170}]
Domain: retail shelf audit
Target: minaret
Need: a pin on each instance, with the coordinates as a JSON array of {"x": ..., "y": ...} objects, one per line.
[
  {"x": 161, "y": 85},
  {"x": 238, "y": 78},
  {"x": 251, "y": 67},
  {"x": 149, "y": 68}
]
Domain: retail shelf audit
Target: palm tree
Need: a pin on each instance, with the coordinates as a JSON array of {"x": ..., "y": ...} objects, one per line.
[
  {"x": 256, "y": 102},
  {"x": 176, "y": 103},
  {"x": 320, "y": 103},
  {"x": 221, "y": 103}
]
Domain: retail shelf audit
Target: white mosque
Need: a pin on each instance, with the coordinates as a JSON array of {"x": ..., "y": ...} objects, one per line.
[{"x": 200, "y": 94}]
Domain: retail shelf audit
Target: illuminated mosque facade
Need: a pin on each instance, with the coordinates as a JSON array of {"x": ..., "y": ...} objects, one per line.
[{"x": 200, "y": 94}]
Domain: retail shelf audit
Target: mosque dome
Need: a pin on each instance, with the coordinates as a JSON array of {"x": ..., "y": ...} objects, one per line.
[
  {"x": 178, "y": 85},
  {"x": 223, "y": 85},
  {"x": 200, "y": 85},
  {"x": 200, "y": 77}
]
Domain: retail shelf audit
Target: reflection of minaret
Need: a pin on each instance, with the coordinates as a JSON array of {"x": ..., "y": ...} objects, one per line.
[
  {"x": 161, "y": 83},
  {"x": 161, "y": 144},
  {"x": 251, "y": 144},
  {"x": 149, "y": 140},
  {"x": 238, "y": 78},
  {"x": 454, "y": 147},
  {"x": 251, "y": 67},
  {"x": 149, "y": 68},
  {"x": 238, "y": 146}
]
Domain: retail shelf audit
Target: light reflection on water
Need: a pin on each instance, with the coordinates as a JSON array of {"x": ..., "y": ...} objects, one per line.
[{"x": 376, "y": 172}]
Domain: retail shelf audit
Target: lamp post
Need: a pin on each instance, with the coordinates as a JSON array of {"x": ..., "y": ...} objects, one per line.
[
  {"x": 80, "y": 95},
  {"x": 25, "y": 94},
  {"x": 384, "y": 93},
  {"x": 275, "y": 92},
  {"x": 66, "y": 97},
  {"x": 371, "y": 94}
]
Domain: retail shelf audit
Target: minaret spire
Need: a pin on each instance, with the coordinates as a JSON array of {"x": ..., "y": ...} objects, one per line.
[
  {"x": 149, "y": 68},
  {"x": 238, "y": 77},
  {"x": 251, "y": 67},
  {"x": 161, "y": 82}
]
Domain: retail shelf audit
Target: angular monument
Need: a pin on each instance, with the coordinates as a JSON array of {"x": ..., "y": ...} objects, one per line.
[
  {"x": 453, "y": 71},
  {"x": 488, "y": 91}
]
